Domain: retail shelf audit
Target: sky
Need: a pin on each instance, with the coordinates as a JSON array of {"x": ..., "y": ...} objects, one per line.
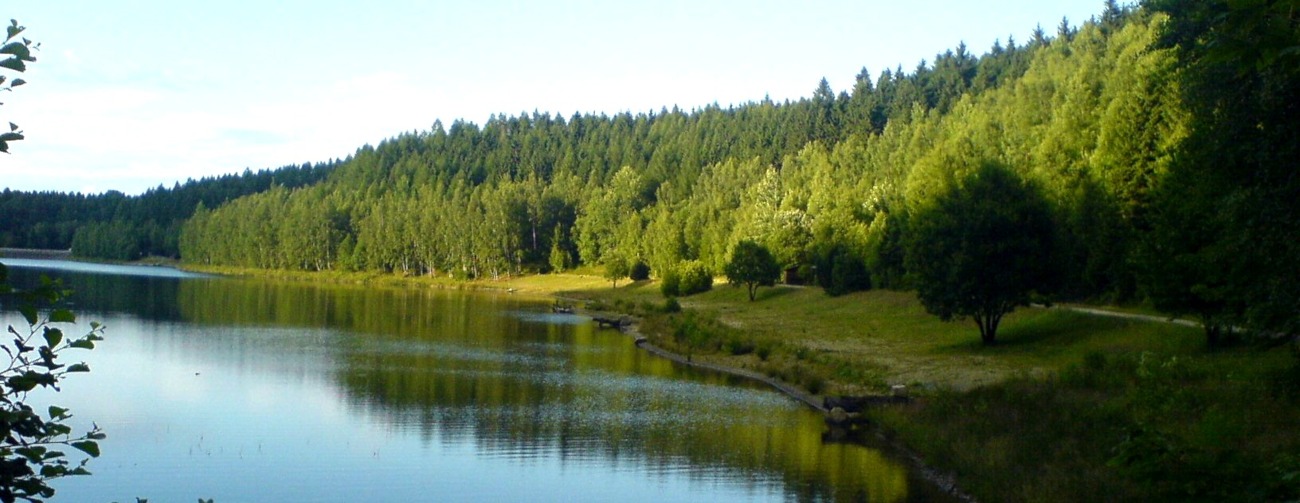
[{"x": 132, "y": 94}]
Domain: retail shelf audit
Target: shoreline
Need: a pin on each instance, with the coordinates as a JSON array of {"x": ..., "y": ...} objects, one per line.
[
  {"x": 35, "y": 253},
  {"x": 543, "y": 286},
  {"x": 945, "y": 482}
]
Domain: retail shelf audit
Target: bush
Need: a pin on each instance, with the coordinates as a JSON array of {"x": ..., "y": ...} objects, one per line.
[
  {"x": 694, "y": 278},
  {"x": 841, "y": 271},
  {"x": 640, "y": 271},
  {"x": 672, "y": 306},
  {"x": 670, "y": 284}
]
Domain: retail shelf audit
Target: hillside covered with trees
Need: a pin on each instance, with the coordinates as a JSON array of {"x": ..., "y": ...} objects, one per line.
[{"x": 1155, "y": 135}]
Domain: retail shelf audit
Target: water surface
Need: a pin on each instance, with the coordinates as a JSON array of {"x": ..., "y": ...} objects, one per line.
[{"x": 245, "y": 390}]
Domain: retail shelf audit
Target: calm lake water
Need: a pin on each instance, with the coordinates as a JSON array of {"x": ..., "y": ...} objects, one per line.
[{"x": 245, "y": 390}]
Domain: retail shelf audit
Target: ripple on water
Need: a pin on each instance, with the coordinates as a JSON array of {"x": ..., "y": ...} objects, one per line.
[{"x": 549, "y": 318}]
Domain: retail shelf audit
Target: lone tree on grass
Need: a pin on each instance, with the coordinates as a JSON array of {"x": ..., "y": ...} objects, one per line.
[
  {"x": 753, "y": 266},
  {"x": 981, "y": 247},
  {"x": 615, "y": 269}
]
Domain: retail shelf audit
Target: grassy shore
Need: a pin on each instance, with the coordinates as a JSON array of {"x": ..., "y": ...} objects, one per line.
[{"x": 1068, "y": 406}]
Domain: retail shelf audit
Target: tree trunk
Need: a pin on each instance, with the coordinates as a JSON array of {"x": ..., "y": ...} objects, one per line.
[{"x": 988, "y": 324}]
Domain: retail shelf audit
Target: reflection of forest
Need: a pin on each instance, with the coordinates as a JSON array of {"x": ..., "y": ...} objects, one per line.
[
  {"x": 492, "y": 370},
  {"x": 145, "y": 296}
]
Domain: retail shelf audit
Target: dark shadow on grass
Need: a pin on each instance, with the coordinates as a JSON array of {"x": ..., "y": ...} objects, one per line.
[
  {"x": 1043, "y": 331},
  {"x": 766, "y": 293}
]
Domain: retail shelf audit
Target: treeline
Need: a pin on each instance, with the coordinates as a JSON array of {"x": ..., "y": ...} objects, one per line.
[
  {"x": 116, "y": 226},
  {"x": 537, "y": 192},
  {"x": 1098, "y": 118}
]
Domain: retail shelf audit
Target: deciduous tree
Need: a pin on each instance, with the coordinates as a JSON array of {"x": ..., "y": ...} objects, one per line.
[
  {"x": 752, "y": 265},
  {"x": 981, "y": 247}
]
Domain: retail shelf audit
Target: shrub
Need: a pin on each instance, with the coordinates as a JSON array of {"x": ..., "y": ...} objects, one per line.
[
  {"x": 672, "y": 306},
  {"x": 670, "y": 284},
  {"x": 694, "y": 278},
  {"x": 640, "y": 271},
  {"x": 841, "y": 271}
]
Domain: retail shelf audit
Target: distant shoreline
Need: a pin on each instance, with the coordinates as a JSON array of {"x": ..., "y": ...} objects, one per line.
[{"x": 35, "y": 253}]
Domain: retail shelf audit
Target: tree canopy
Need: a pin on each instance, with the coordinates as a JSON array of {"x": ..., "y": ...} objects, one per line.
[
  {"x": 752, "y": 265},
  {"x": 981, "y": 247}
]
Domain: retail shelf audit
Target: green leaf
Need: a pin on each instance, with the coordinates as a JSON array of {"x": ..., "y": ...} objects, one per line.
[
  {"x": 57, "y": 412},
  {"x": 13, "y": 127},
  {"x": 21, "y": 383},
  {"x": 62, "y": 316},
  {"x": 53, "y": 336},
  {"x": 88, "y": 447},
  {"x": 29, "y": 314},
  {"x": 17, "y": 49},
  {"x": 34, "y": 453},
  {"x": 78, "y": 367},
  {"x": 17, "y": 82},
  {"x": 14, "y": 29},
  {"x": 83, "y": 343},
  {"x": 14, "y": 64},
  {"x": 11, "y": 136}
]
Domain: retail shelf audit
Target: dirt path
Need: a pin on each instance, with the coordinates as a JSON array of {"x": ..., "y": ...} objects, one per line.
[{"x": 1127, "y": 316}]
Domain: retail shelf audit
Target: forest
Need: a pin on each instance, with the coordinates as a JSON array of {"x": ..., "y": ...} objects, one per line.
[
  {"x": 1120, "y": 124},
  {"x": 1160, "y": 137},
  {"x": 116, "y": 226}
]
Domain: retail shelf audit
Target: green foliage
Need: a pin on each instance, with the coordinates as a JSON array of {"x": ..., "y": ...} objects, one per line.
[
  {"x": 753, "y": 266},
  {"x": 149, "y": 223},
  {"x": 1227, "y": 213},
  {"x": 15, "y": 56},
  {"x": 1115, "y": 427},
  {"x": 692, "y": 332},
  {"x": 981, "y": 248},
  {"x": 670, "y": 283},
  {"x": 639, "y": 272},
  {"x": 560, "y": 258},
  {"x": 693, "y": 277},
  {"x": 32, "y": 442},
  {"x": 1112, "y": 129},
  {"x": 616, "y": 269},
  {"x": 841, "y": 271}
]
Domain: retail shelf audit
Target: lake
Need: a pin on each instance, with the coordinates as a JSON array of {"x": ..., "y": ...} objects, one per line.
[{"x": 249, "y": 390}]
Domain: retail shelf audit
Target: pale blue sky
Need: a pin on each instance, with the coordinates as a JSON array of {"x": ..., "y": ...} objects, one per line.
[{"x": 128, "y": 95}]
